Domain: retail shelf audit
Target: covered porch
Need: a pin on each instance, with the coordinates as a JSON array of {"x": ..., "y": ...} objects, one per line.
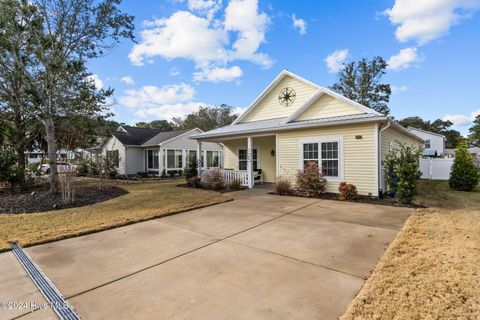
[{"x": 250, "y": 159}]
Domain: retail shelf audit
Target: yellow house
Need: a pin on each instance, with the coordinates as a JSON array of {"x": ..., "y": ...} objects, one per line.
[{"x": 294, "y": 121}]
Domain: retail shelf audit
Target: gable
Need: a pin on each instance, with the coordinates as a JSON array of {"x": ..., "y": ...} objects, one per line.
[
  {"x": 327, "y": 106},
  {"x": 270, "y": 108}
]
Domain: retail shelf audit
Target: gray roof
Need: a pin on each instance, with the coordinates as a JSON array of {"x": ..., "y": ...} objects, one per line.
[
  {"x": 277, "y": 125},
  {"x": 164, "y": 136}
]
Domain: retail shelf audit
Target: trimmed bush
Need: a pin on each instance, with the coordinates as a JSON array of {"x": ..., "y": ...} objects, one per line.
[
  {"x": 234, "y": 185},
  {"x": 347, "y": 191},
  {"x": 194, "y": 182},
  {"x": 190, "y": 171},
  {"x": 282, "y": 186},
  {"x": 310, "y": 180},
  {"x": 213, "y": 180},
  {"x": 464, "y": 176}
]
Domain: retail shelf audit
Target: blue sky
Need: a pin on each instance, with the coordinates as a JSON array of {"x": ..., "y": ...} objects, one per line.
[{"x": 196, "y": 52}]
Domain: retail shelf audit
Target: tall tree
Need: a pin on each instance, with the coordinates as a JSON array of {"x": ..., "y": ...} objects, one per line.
[
  {"x": 164, "y": 125},
  {"x": 452, "y": 137},
  {"x": 361, "y": 82},
  {"x": 207, "y": 118},
  {"x": 45, "y": 44},
  {"x": 474, "y": 136}
]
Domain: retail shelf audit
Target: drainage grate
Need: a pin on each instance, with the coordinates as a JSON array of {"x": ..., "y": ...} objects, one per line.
[{"x": 55, "y": 299}]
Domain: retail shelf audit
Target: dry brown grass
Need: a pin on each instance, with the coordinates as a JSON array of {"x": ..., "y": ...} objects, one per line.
[
  {"x": 144, "y": 201},
  {"x": 432, "y": 269}
]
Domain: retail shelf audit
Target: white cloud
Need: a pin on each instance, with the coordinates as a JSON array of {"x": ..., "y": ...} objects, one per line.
[
  {"x": 168, "y": 111},
  {"x": 209, "y": 43},
  {"x": 207, "y": 8},
  {"x": 152, "y": 96},
  {"x": 404, "y": 59},
  {"x": 335, "y": 60},
  {"x": 461, "y": 121},
  {"x": 96, "y": 80},
  {"x": 128, "y": 80},
  {"x": 398, "y": 89},
  {"x": 218, "y": 74},
  {"x": 427, "y": 20},
  {"x": 299, "y": 24},
  {"x": 174, "y": 72}
]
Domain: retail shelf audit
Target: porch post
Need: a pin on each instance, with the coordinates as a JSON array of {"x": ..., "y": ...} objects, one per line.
[
  {"x": 250, "y": 162},
  {"x": 160, "y": 162},
  {"x": 199, "y": 157}
]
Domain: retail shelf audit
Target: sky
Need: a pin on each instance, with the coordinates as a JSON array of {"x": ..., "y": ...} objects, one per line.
[{"x": 209, "y": 52}]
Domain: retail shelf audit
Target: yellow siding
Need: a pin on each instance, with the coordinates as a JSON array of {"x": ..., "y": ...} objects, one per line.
[
  {"x": 327, "y": 106},
  {"x": 359, "y": 162},
  {"x": 391, "y": 138},
  {"x": 270, "y": 107},
  {"x": 264, "y": 146}
]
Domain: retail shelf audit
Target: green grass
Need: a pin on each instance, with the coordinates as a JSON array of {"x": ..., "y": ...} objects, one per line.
[
  {"x": 437, "y": 194},
  {"x": 144, "y": 201}
]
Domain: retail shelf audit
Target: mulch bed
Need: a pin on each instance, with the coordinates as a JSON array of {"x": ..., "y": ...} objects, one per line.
[
  {"x": 41, "y": 201},
  {"x": 385, "y": 201}
]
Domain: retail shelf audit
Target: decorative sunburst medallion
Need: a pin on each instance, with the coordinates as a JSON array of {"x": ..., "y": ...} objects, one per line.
[{"x": 287, "y": 96}]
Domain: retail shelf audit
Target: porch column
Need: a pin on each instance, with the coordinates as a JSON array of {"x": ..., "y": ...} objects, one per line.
[
  {"x": 199, "y": 157},
  {"x": 160, "y": 161},
  {"x": 250, "y": 162}
]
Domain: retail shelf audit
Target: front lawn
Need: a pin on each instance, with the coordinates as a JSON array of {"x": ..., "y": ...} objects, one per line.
[
  {"x": 431, "y": 270},
  {"x": 144, "y": 201}
]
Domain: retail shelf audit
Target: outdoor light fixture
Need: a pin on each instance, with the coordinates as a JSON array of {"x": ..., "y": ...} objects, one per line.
[{"x": 272, "y": 153}]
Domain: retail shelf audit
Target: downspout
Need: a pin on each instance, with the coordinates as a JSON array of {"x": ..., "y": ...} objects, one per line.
[{"x": 380, "y": 166}]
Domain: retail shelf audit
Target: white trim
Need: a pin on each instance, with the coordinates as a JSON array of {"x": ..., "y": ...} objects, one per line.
[
  {"x": 147, "y": 162},
  {"x": 168, "y": 140},
  {"x": 304, "y": 107},
  {"x": 410, "y": 128},
  {"x": 175, "y": 155},
  {"x": 354, "y": 104},
  {"x": 377, "y": 159},
  {"x": 320, "y": 140},
  {"x": 269, "y": 88},
  {"x": 276, "y": 156}
]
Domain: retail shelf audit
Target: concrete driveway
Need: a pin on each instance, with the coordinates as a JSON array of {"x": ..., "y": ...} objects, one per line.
[{"x": 258, "y": 257}]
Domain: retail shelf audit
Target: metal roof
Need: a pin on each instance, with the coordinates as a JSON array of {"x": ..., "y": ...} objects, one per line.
[{"x": 273, "y": 125}]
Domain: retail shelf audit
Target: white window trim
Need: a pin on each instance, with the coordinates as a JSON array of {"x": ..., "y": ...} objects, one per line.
[
  {"x": 320, "y": 140},
  {"x": 147, "y": 162},
  {"x": 219, "y": 158},
  {"x": 259, "y": 163},
  {"x": 166, "y": 158}
]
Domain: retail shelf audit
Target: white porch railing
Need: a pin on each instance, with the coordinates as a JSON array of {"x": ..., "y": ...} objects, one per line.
[{"x": 230, "y": 175}]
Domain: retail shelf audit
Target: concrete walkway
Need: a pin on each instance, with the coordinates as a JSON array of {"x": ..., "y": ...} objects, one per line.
[{"x": 258, "y": 257}]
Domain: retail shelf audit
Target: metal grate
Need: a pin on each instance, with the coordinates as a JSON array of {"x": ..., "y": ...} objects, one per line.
[{"x": 57, "y": 302}]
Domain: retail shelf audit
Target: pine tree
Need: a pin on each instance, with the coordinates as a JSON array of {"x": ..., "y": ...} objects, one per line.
[{"x": 464, "y": 175}]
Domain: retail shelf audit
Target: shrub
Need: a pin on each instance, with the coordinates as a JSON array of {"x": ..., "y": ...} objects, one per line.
[
  {"x": 347, "y": 191},
  {"x": 464, "y": 176},
  {"x": 194, "y": 182},
  {"x": 191, "y": 170},
  {"x": 10, "y": 171},
  {"x": 234, "y": 185},
  {"x": 402, "y": 172},
  {"x": 213, "y": 180},
  {"x": 282, "y": 186},
  {"x": 310, "y": 180},
  {"x": 142, "y": 174}
]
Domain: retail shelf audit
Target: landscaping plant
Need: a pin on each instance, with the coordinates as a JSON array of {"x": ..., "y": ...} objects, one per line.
[
  {"x": 310, "y": 180},
  {"x": 213, "y": 180},
  {"x": 282, "y": 186},
  {"x": 10, "y": 171},
  {"x": 402, "y": 172},
  {"x": 464, "y": 175},
  {"x": 191, "y": 171},
  {"x": 234, "y": 185},
  {"x": 347, "y": 191}
]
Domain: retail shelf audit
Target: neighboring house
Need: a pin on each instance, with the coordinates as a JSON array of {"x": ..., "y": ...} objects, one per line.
[
  {"x": 294, "y": 121},
  {"x": 151, "y": 150},
  {"x": 474, "y": 151},
  {"x": 434, "y": 143},
  {"x": 36, "y": 155}
]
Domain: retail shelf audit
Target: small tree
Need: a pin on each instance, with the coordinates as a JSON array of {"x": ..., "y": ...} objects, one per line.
[
  {"x": 464, "y": 176},
  {"x": 402, "y": 172},
  {"x": 310, "y": 180},
  {"x": 191, "y": 173}
]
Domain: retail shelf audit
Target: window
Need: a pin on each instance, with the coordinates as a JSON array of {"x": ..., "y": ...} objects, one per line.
[
  {"x": 113, "y": 157},
  {"x": 242, "y": 159},
  {"x": 427, "y": 144},
  {"x": 327, "y": 156},
  {"x": 192, "y": 156},
  {"x": 174, "y": 159},
  {"x": 213, "y": 159},
  {"x": 152, "y": 159}
]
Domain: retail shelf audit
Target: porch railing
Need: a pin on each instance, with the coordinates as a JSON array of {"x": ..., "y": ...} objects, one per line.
[{"x": 230, "y": 175}]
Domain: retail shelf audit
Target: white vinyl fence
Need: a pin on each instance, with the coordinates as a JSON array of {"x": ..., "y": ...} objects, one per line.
[{"x": 436, "y": 168}]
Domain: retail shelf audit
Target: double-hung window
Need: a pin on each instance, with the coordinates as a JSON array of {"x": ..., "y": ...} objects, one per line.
[
  {"x": 152, "y": 159},
  {"x": 325, "y": 154},
  {"x": 192, "y": 156},
  {"x": 242, "y": 159},
  {"x": 174, "y": 159},
  {"x": 213, "y": 159}
]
